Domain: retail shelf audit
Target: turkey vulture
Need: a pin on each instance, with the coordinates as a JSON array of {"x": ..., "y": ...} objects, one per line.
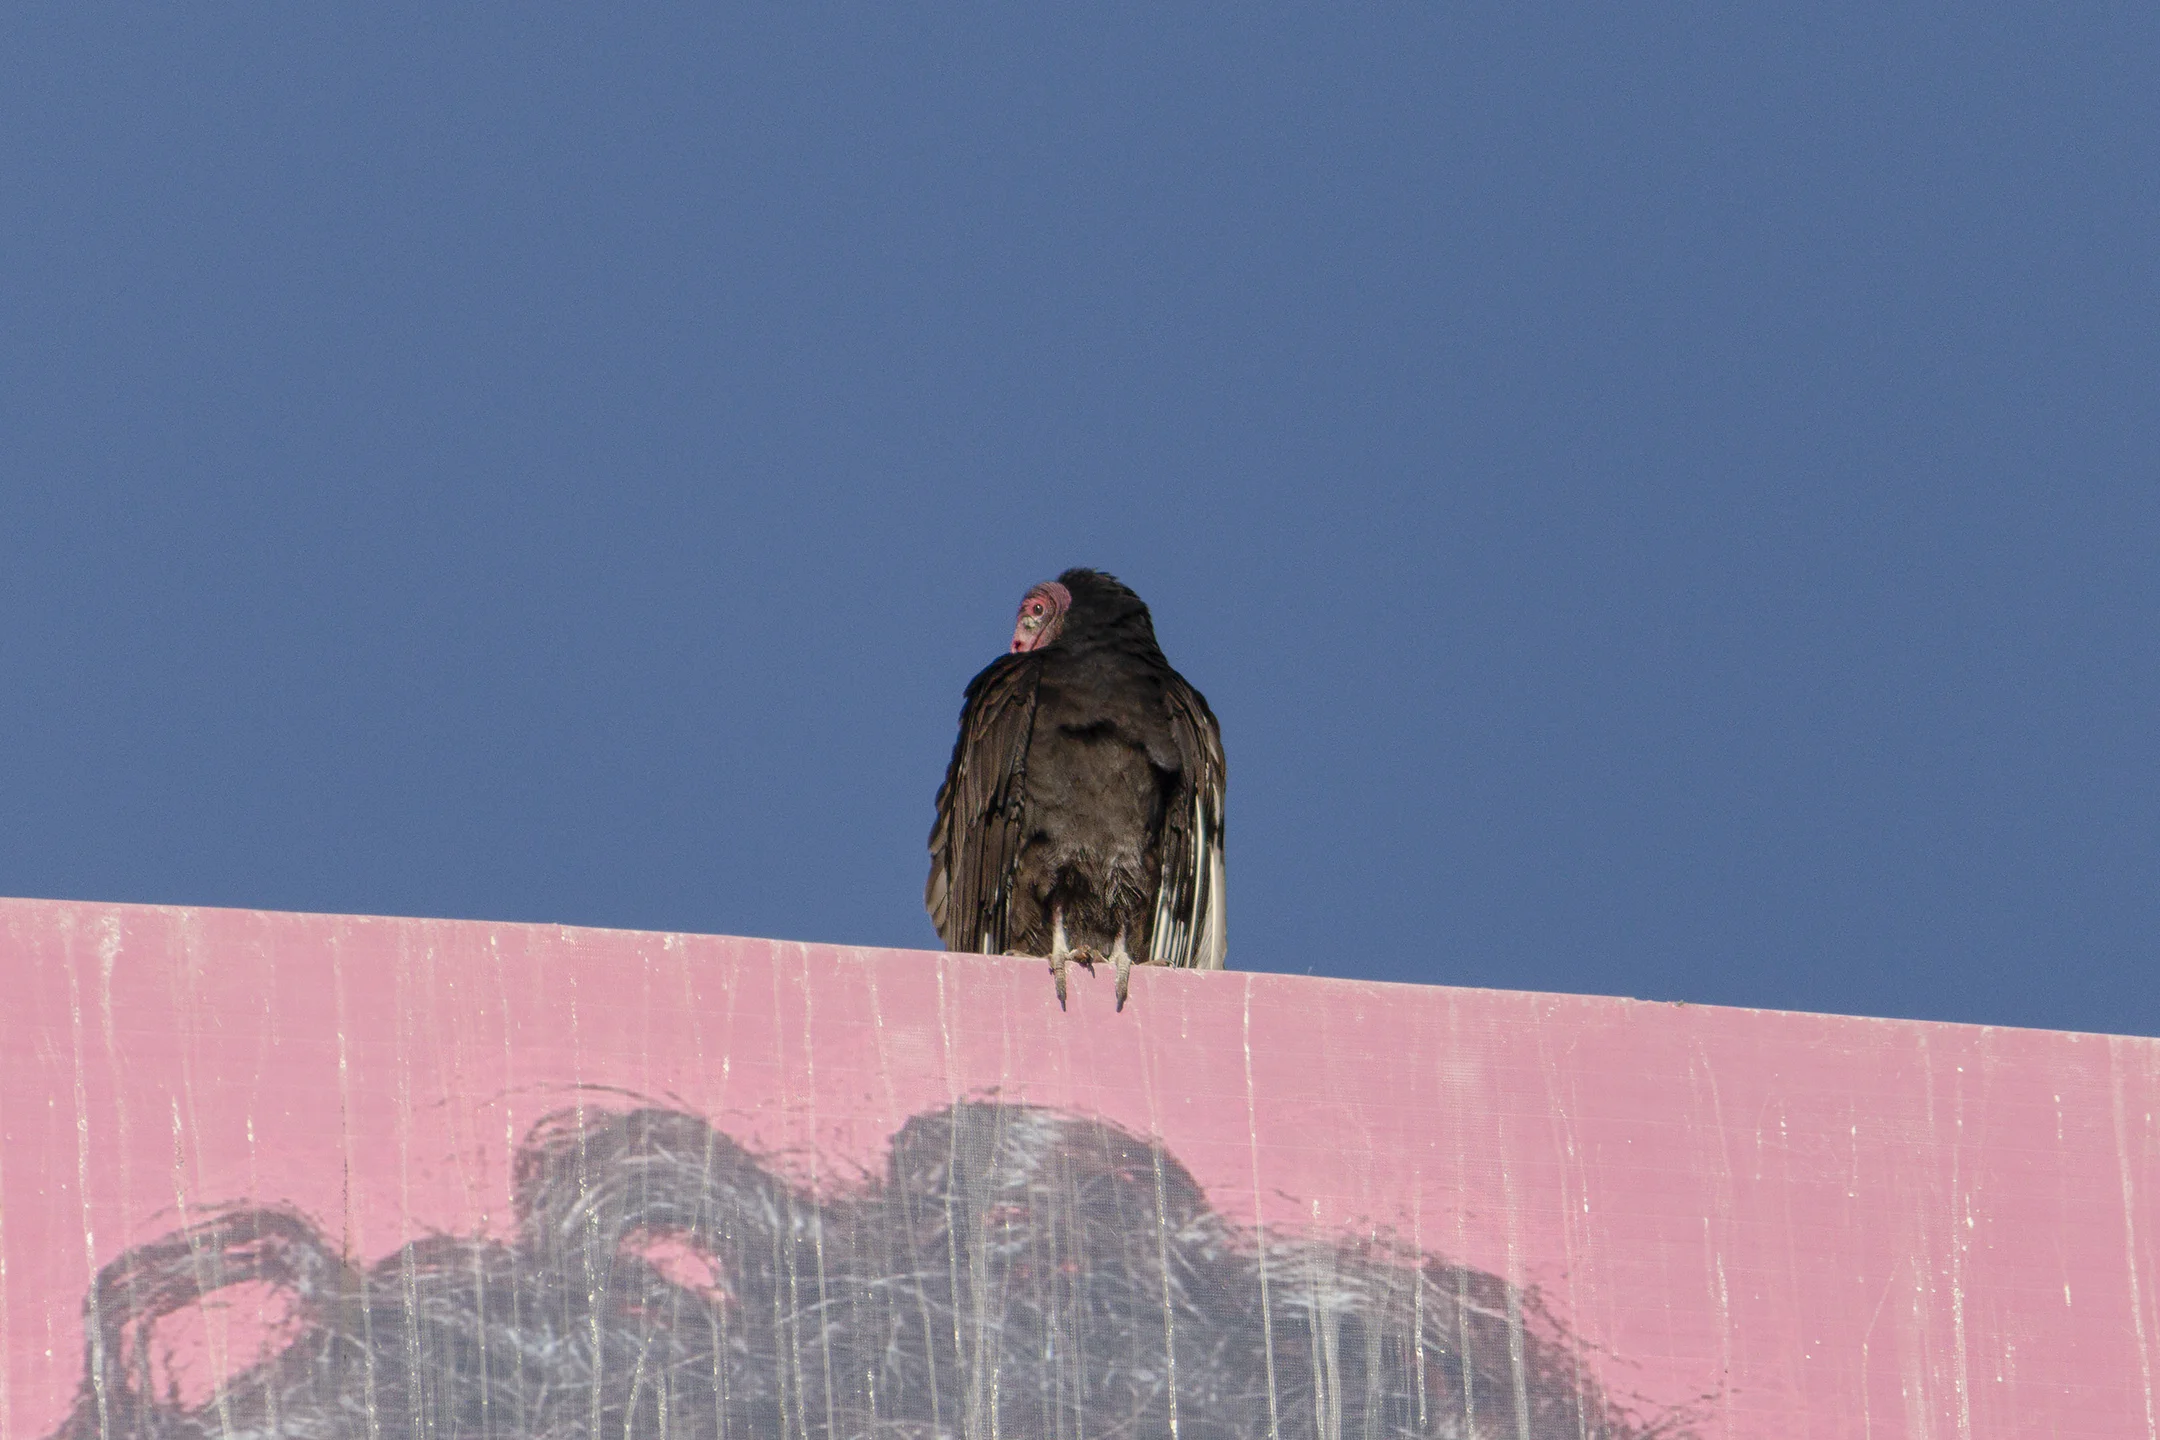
[{"x": 1081, "y": 818}]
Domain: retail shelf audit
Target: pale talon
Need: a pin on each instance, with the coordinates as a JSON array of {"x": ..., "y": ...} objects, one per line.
[{"x": 1063, "y": 953}]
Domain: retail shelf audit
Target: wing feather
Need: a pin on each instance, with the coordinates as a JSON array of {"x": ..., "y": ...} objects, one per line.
[
  {"x": 981, "y": 809},
  {"x": 1189, "y": 911}
]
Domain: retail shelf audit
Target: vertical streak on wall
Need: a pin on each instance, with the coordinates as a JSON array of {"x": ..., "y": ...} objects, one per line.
[
  {"x": 588, "y": 1211},
  {"x": 1518, "y": 1358},
  {"x": 1466, "y": 1371},
  {"x": 2130, "y": 1251},
  {"x": 1574, "y": 1191},
  {"x": 1324, "y": 1334},
  {"x": 7, "y": 1347},
  {"x": 895, "y": 1116},
  {"x": 952, "y": 1239},
  {"x": 349, "y": 1132},
  {"x": 94, "y": 1320},
  {"x": 188, "y": 1124},
  {"x": 1162, "y": 1258},
  {"x": 1417, "y": 1293},
  {"x": 1960, "y": 1233},
  {"x": 787, "y": 1301},
  {"x": 108, "y": 950},
  {"x": 405, "y": 1045},
  {"x": 817, "y": 1227},
  {"x": 1162, "y": 1225},
  {"x": 1717, "y": 1219},
  {"x": 1267, "y": 1307},
  {"x": 509, "y": 1028}
]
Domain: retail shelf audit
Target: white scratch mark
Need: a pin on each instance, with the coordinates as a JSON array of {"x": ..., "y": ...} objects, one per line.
[
  {"x": 817, "y": 1227},
  {"x": 1162, "y": 1258},
  {"x": 1867, "y": 1337},
  {"x": 7, "y": 1348},
  {"x": 108, "y": 957},
  {"x": 1962, "y": 1379},
  {"x": 2129, "y": 1202},
  {"x": 1518, "y": 1356},
  {"x": 1267, "y": 1311},
  {"x": 94, "y": 1319},
  {"x": 346, "y": 1127}
]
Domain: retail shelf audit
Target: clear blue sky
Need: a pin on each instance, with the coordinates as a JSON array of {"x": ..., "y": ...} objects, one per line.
[{"x": 1665, "y": 501}]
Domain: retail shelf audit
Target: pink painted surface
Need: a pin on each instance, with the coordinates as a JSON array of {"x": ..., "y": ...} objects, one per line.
[{"x": 1790, "y": 1224}]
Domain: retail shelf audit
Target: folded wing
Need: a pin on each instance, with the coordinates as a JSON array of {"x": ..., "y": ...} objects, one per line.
[
  {"x": 1189, "y": 920},
  {"x": 975, "y": 842}
]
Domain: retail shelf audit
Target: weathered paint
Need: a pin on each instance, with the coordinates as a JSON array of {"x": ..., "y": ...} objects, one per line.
[{"x": 1776, "y": 1224}]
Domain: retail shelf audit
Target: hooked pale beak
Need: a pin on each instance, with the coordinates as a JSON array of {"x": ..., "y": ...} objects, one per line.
[{"x": 1032, "y": 632}]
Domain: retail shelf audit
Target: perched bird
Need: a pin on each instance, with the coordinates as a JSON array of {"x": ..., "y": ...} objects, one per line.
[{"x": 1081, "y": 818}]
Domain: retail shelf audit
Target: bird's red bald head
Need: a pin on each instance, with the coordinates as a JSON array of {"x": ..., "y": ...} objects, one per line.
[{"x": 1042, "y": 615}]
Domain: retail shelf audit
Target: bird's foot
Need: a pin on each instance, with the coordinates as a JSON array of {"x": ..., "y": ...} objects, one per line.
[
  {"x": 1124, "y": 962},
  {"x": 1060, "y": 957}
]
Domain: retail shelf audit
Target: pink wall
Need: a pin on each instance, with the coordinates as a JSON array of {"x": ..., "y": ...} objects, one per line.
[{"x": 1793, "y": 1224}]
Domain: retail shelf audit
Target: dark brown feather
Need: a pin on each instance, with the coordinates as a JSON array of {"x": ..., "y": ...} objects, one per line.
[
  {"x": 980, "y": 808},
  {"x": 1088, "y": 780}
]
